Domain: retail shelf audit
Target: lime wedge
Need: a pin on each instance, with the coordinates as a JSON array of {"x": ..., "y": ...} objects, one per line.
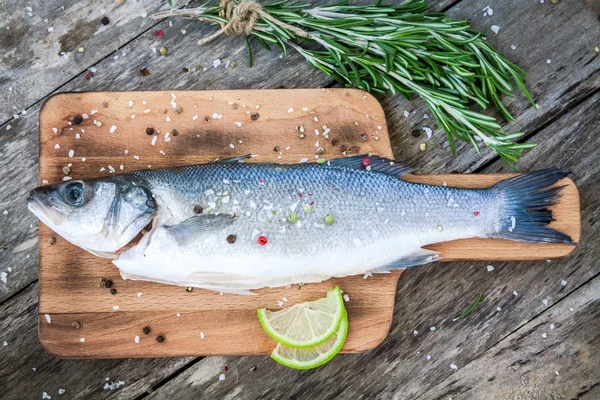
[
  {"x": 305, "y": 325},
  {"x": 312, "y": 357}
]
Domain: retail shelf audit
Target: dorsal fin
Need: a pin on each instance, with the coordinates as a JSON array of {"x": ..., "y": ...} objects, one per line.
[{"x": 372, "y": 163}]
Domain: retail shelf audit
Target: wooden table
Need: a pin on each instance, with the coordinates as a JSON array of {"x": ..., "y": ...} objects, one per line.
[{"x": 535, "y": 335}]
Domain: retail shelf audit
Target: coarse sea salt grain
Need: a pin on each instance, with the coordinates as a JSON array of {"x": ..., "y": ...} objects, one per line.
[
  {"x": 201, "y": 335},
  {"x": 428, "y": 132},
  {"x": 552, "y": 326},
  {"x": 57, "y": 146},
  {"x": 545, "y": 302},
  {"x": 515, "y": 293},
  {"x": 346, "y": 298},
  {"x": 48, "y": 318},
  {"x": 290, "y": 110},
  {"x": 222, "y": 377},
  {"x": 415, "y": 332},
  {"x": 5, "y": 343},
  {"x": 154, "y": 139},
  {"x": 563, "y": 283},
  {"x": 136, "y": 339},
  {"x": 453, "y": 366},
  {"x": 130, "y": 103},
  {"x": 512, "y": 46},
  {"x": 490, "y": 268},
  {"x": 216, "y": 63},
  {"x": 61, "y": 391},
  {"x": 3, "y": 277},
  {"x": 544, "y": 335},
  {"x": 495, "y": 29},
  {"x": 115, "y": 308},
  {"x": 55, "y": 130},
  {"x": 46, "y": 396},
  {"x": 432, "y": 328},
  {"x": 82, "y": 340},
  {"x": 71, "y": 153},
  {"x": 139, "y": 294},
  {"x": 67, "y": 178},
  {"x": 113, "y": 129}
]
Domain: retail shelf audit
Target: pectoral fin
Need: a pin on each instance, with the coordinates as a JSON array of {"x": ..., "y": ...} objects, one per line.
[{"x": 194, "y": 227}]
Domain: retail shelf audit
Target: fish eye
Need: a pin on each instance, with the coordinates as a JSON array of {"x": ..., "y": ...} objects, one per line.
[{"x": 73, "y": 193}]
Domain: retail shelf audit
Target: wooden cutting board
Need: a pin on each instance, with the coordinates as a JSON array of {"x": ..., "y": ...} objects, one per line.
[{"x": 80, "y": 318}]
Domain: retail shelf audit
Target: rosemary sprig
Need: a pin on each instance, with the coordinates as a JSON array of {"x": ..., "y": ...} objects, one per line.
[
  {"x": 470, "y": 309},
  {"x": 399, "y": 49}
]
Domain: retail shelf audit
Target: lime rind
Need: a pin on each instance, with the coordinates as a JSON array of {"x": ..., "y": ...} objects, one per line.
[
  {"x": 327, "y": 350},
  {"x": 273, "y": 322}
]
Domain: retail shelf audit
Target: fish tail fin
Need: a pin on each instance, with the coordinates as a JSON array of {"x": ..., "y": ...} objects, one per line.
[{"x": 526, "y": 213}]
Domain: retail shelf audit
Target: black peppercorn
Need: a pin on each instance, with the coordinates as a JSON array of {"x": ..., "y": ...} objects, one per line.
[
  {"x": 160, "y": 338},
  {"x": 107, "y": 283},
  {"x": 149, "y": 131},
  {"x": 334, "y": 142},
  {"x": 198, "y": 209},
  {"x": 416, "y": 133},
  {"x": 343, "y": 148},
  {"x": 144, "y": 71},
  {"x": 231, "y": 239},
  {"x": 105, "y": 20},
  {"x": 113, "y": 291},
  {"x": 146, "y": 330},
  {"x": 175, "y": 132},
  {"x": 276, "y": 148},
  {"x": 254, "y": 116},
  {"x": 77, "y": 119}
]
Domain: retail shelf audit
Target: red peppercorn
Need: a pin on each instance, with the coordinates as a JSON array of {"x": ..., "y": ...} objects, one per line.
[
  {"x": 476, "y": 213},
  {"x": 262, "y": 240},
  {"x": 89, "y": 74},
  {"x": 158, "y": 33},
  {"x": 300, "y": 195},
  {"x": 226, "y": 368},
  {"x": 366, "y": 162}
]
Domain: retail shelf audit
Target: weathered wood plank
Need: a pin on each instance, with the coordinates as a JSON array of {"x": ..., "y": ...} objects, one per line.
[
  {"x": 19, "y": 146},
  {"x": 36, "y": 34},
  {"x": 26, "y": 370},
  {"x": 555, "y": 356},
  {"x": 572, "y": 75},
  {"x": 430, "y": 296}
]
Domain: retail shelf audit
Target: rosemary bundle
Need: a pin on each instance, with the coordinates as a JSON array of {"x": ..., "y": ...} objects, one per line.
[{"x": 396, "y": 49}]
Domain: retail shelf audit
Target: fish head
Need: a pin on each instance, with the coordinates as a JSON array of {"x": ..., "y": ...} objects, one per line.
[{"x": 98, "y": 215}]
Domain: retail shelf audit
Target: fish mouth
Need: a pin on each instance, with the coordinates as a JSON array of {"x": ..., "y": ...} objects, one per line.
[{"x": 42, "y": 212}]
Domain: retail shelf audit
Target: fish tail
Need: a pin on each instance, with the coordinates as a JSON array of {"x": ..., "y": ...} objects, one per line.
[{"x": 526, "y": 213}]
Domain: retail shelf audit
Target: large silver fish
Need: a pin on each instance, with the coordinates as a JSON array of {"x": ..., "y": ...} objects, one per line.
[{"x": 230, "y": 226}]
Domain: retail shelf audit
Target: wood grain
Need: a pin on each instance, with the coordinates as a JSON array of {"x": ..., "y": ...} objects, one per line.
[
  {"x": 565, "y": 127},
  {"x": 208, "y": 128}
]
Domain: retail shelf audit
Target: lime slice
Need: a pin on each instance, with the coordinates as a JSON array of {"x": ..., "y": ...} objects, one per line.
[
  {"x": 305, "y": 325},
  {"x": 312, "y": 357}
]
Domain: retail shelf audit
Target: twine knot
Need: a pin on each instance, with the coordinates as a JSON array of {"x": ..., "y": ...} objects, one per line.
[{"x": 241, "y": 18}]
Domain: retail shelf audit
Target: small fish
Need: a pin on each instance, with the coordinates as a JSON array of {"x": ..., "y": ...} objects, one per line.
[{"x": 232, "y": 227}]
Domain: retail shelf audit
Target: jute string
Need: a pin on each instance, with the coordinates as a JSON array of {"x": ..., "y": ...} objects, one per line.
[{"x": 242, "y": 17}]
